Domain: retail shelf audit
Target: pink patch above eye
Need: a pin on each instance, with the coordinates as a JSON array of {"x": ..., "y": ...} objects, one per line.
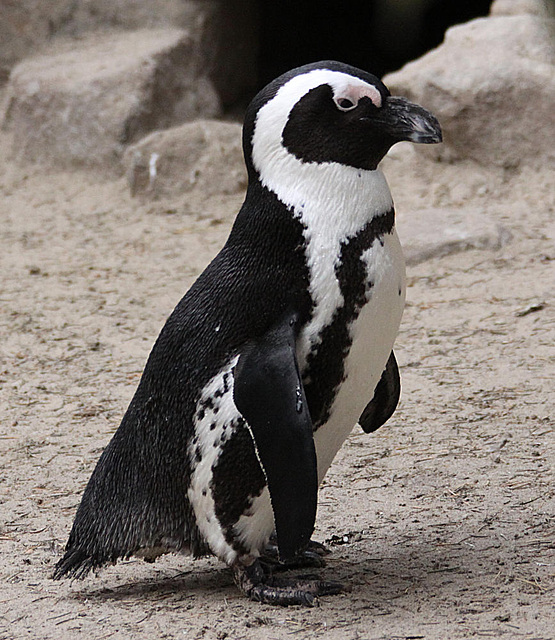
[{"x": 352, "y": 93}]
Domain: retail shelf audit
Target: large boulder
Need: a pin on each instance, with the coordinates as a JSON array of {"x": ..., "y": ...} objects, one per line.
[
  {"x": 454, "y": 230},
  {"x": 492, "y": 86},
  {"x": 81, "y": 104},
  {"x": 518, "y": 7},
  {"x": 203, "y": 155},
  {"x": 25, "y": 25},
  {"x": 28, "y": 26},
  {"x": 225, "y": 32}
]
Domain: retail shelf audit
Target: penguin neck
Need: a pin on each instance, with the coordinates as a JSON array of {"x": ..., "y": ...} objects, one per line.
[
  {"x": 329, "y": 198},
  {"x": 348, "y": 197}
]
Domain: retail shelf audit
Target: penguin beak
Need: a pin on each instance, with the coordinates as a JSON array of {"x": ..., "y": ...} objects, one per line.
[{"x": 404, "y": 120}]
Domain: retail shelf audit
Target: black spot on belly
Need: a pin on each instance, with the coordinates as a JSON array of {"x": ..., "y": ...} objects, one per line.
[
  {"x": 326, "y": 363},
  {"x": 237, "y": 479},
  {"x": 205, "y": 404}
]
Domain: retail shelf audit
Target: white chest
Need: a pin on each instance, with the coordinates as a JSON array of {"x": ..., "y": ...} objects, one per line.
[
  {"x": 373, "y": 334},
  {"x": 335, "y": 203}
]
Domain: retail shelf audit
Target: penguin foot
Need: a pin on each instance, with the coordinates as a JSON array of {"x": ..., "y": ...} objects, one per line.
[
  {"x": 311, "y": 557},
  {"x": 262, "y": 586},
  {"x": 318, "y": 547}
]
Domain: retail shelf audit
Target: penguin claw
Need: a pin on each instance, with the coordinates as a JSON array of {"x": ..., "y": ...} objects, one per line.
[
  {"x": 318, "y": 547},
  {"x": 303, "y": 590},
  {"x": 282, "y": 597},
  {"x": 305, "y": 560}
]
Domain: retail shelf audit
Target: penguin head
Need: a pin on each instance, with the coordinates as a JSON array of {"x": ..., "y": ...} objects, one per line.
[{"x": 329, "y": 113}]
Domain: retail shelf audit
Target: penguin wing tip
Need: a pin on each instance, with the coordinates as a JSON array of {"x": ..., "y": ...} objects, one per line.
[{"x": 385, "y": 400}]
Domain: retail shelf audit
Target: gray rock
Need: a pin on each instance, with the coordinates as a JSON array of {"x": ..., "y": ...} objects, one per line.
[
  {"x": 98, "y": 15},
  {"x": 434, "y": 233},
  {"x": 26, "y": 25},
  {"x": 80, "y": 105},
  {"x": 492, "y": 86},
  {"x": 204, "y": 155},
  {"x": 225, "y": 32},
  {"x": 518, "y": 7}
]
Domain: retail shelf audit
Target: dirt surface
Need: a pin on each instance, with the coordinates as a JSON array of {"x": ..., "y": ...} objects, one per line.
[{"x": 442, "y": 522}]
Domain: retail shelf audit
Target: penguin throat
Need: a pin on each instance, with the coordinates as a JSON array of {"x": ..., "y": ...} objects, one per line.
[{"x": 342, "y": 197}]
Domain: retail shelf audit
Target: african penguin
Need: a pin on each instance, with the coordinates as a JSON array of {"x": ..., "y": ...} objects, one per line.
[{"x": 279, "y": 348}]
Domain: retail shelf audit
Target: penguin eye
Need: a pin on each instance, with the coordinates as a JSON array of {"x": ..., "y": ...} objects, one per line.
[{"x": 345, "y": 104}]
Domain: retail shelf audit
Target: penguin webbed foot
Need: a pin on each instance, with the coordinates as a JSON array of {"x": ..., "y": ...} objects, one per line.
[
  {"x": 260, "y": 585},
  {"x": 311, "y": 557}
]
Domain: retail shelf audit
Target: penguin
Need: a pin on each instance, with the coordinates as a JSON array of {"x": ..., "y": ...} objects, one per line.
[{"x": 281, "y": 346}]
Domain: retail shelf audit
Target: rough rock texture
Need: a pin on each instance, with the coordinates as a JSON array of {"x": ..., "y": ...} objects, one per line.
[
  {"x": 492, "y": 86},
  {"x": 25, "y": 25},
  {"x": 454, "y": 230},
  {"x": 518, "y": 7},
  {"x": 79, "y": 106},
  {"x": 224, "y": 31},
  {"x": 204, "y": 155}
]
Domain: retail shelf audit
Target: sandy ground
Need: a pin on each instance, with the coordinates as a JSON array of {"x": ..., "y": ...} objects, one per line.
[{"x": 442, "y": 522}]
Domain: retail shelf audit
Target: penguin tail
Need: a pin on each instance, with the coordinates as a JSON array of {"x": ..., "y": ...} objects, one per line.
[{"x": 75, "y": 564}]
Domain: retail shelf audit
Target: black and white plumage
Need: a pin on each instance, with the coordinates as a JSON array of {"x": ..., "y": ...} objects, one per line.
[{"x": 279, "y": 348}]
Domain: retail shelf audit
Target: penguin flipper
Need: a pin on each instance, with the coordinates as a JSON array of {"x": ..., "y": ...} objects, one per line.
[
  {"x": 269, "y": 393},
  {"x": 385, "y": 400}
]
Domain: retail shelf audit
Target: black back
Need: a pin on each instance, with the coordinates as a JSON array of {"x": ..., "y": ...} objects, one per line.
[{"x": 137, "y": 495}]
